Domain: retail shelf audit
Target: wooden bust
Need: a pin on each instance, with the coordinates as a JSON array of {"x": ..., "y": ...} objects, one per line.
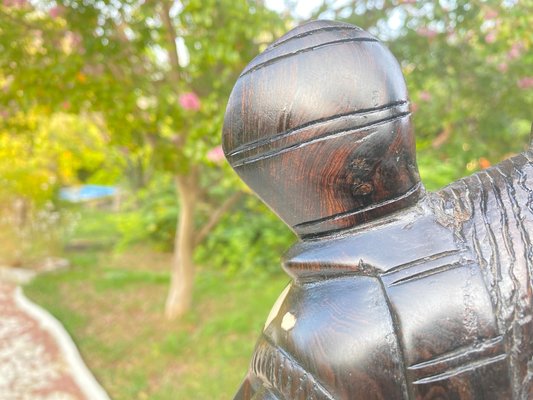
[{"x": 396, "y": 293}]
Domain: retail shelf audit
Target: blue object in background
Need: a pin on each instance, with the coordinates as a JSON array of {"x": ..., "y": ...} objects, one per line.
[{"x": 83, "y": 193}]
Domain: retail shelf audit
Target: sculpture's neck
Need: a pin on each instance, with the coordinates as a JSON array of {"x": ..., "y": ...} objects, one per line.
[{"x": 337, "y": 223}]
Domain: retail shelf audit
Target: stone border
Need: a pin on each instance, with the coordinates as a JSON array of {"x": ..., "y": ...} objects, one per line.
[
  {"x": 79, "y": 371},
  {"x": 18, "y": 276}
]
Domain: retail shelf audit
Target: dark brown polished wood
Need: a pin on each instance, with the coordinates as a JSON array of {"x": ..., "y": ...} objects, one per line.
[{"x": 396, "y": 293}]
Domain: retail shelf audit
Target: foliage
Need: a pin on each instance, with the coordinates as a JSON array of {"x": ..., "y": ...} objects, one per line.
[
  {"x": 37, "y": 157},
  {"x": 44, "y": 153},
  {"x": 153, "y": 76},
  {"x": 250, "y": 238},
  {"x": 149, "y": 215},
  {"x": 112, "y": 62},
  {"x": 254, "y": 242}
]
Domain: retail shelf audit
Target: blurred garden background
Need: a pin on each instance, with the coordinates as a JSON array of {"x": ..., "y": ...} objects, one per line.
[{"x": 165, "y": 282}]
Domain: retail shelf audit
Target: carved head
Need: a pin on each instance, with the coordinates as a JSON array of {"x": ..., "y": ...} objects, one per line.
[{"x": 318, "y": 125}]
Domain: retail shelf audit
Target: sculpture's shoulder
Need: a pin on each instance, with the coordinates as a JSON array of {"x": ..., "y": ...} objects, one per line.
[{"x": 372, "y": 249}]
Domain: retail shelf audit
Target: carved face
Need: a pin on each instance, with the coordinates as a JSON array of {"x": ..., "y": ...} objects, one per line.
[{"x": 319, "y": 127}]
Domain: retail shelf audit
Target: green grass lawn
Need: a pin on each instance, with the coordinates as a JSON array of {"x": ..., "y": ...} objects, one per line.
[{"x": 112, "y": 305}]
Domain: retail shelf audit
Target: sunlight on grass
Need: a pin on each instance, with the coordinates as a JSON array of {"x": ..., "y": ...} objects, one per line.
[{"x": 112, "y": 305}]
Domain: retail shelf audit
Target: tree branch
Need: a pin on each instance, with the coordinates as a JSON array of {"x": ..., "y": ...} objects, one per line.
[
  {"x": 172, "y": 48},
  {"x": 216, "y": 216}
]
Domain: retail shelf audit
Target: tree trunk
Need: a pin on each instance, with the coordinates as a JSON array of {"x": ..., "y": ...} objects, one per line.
[{"x": 182, "y": 277}]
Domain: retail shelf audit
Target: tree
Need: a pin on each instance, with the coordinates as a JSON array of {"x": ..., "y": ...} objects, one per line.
[{"x": 153, "y": 75}]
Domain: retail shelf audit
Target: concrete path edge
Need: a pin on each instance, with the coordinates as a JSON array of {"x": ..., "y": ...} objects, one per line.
[{"x": 80, "y": 373}]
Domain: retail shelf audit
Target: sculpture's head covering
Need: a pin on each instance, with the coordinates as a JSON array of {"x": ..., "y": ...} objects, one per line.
[{"x": 318, "y": 125}]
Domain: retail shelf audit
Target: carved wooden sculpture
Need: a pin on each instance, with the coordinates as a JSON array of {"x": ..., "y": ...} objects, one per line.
[{"x": 397, "y": 293}]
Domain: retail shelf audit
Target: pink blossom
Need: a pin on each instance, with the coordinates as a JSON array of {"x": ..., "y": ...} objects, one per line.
[
  {"x": 190, "y": 101},
  {"x": 491, "y": 14},
  {"x": 503, "y": 67},
  {"x": 427, "y": 32},
  {"x": 407, "y": 1},
  {"x": 425, "y": 96},
  {"x": 216, "y": 154},
  {"x": 414, "y": 107},
  {"x": 490, "y": 37},
  {"x": 513, "y": 53},
  {"x": 66, "y": 105},
  {"x": 516, "y": 51},
  {"x": 56, "y": 11},
  {"x": 525, "y": 83}
]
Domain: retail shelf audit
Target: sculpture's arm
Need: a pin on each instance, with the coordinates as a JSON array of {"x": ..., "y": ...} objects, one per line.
[{"x": 492, "y": 213}]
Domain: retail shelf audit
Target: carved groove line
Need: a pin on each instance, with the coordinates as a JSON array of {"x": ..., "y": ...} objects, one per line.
[
  {"x": 425, "y": 274},
  {"x": 459, "y": 234},
  {"x": 398, "y": 334},
  {"x": 494, "y": 260},
  {"x": 321, "y": 138},
  {"x": 489, "y": 269},
  {"x": 351, "y": 213},
  {"x": 523, "y": 311},
  {"x": 311, "y": 32},
  {"x": 505, "y": 227},
  {"x": 476, "y": 200},
  {"x": 282, "y": 135},
  {"x": 513, "y": 303},
  {"x": 510, "y": 310},
  {"x": 521, "y": 183},
  {"x": 477, "y": 215},
  {"x": 459, "y": 370},
  {"x": 508, "y": 249},
  {"x": 269, "y": 364},
  {"x": 418, "y": 261},
  {"x": 458, "y": 353},
  {"x": 471, "y": 320},
  {"x": 305, "y": 50}
]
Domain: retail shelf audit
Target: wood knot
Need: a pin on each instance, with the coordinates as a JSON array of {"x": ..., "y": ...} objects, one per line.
[{"x": 363, "y": 189}]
